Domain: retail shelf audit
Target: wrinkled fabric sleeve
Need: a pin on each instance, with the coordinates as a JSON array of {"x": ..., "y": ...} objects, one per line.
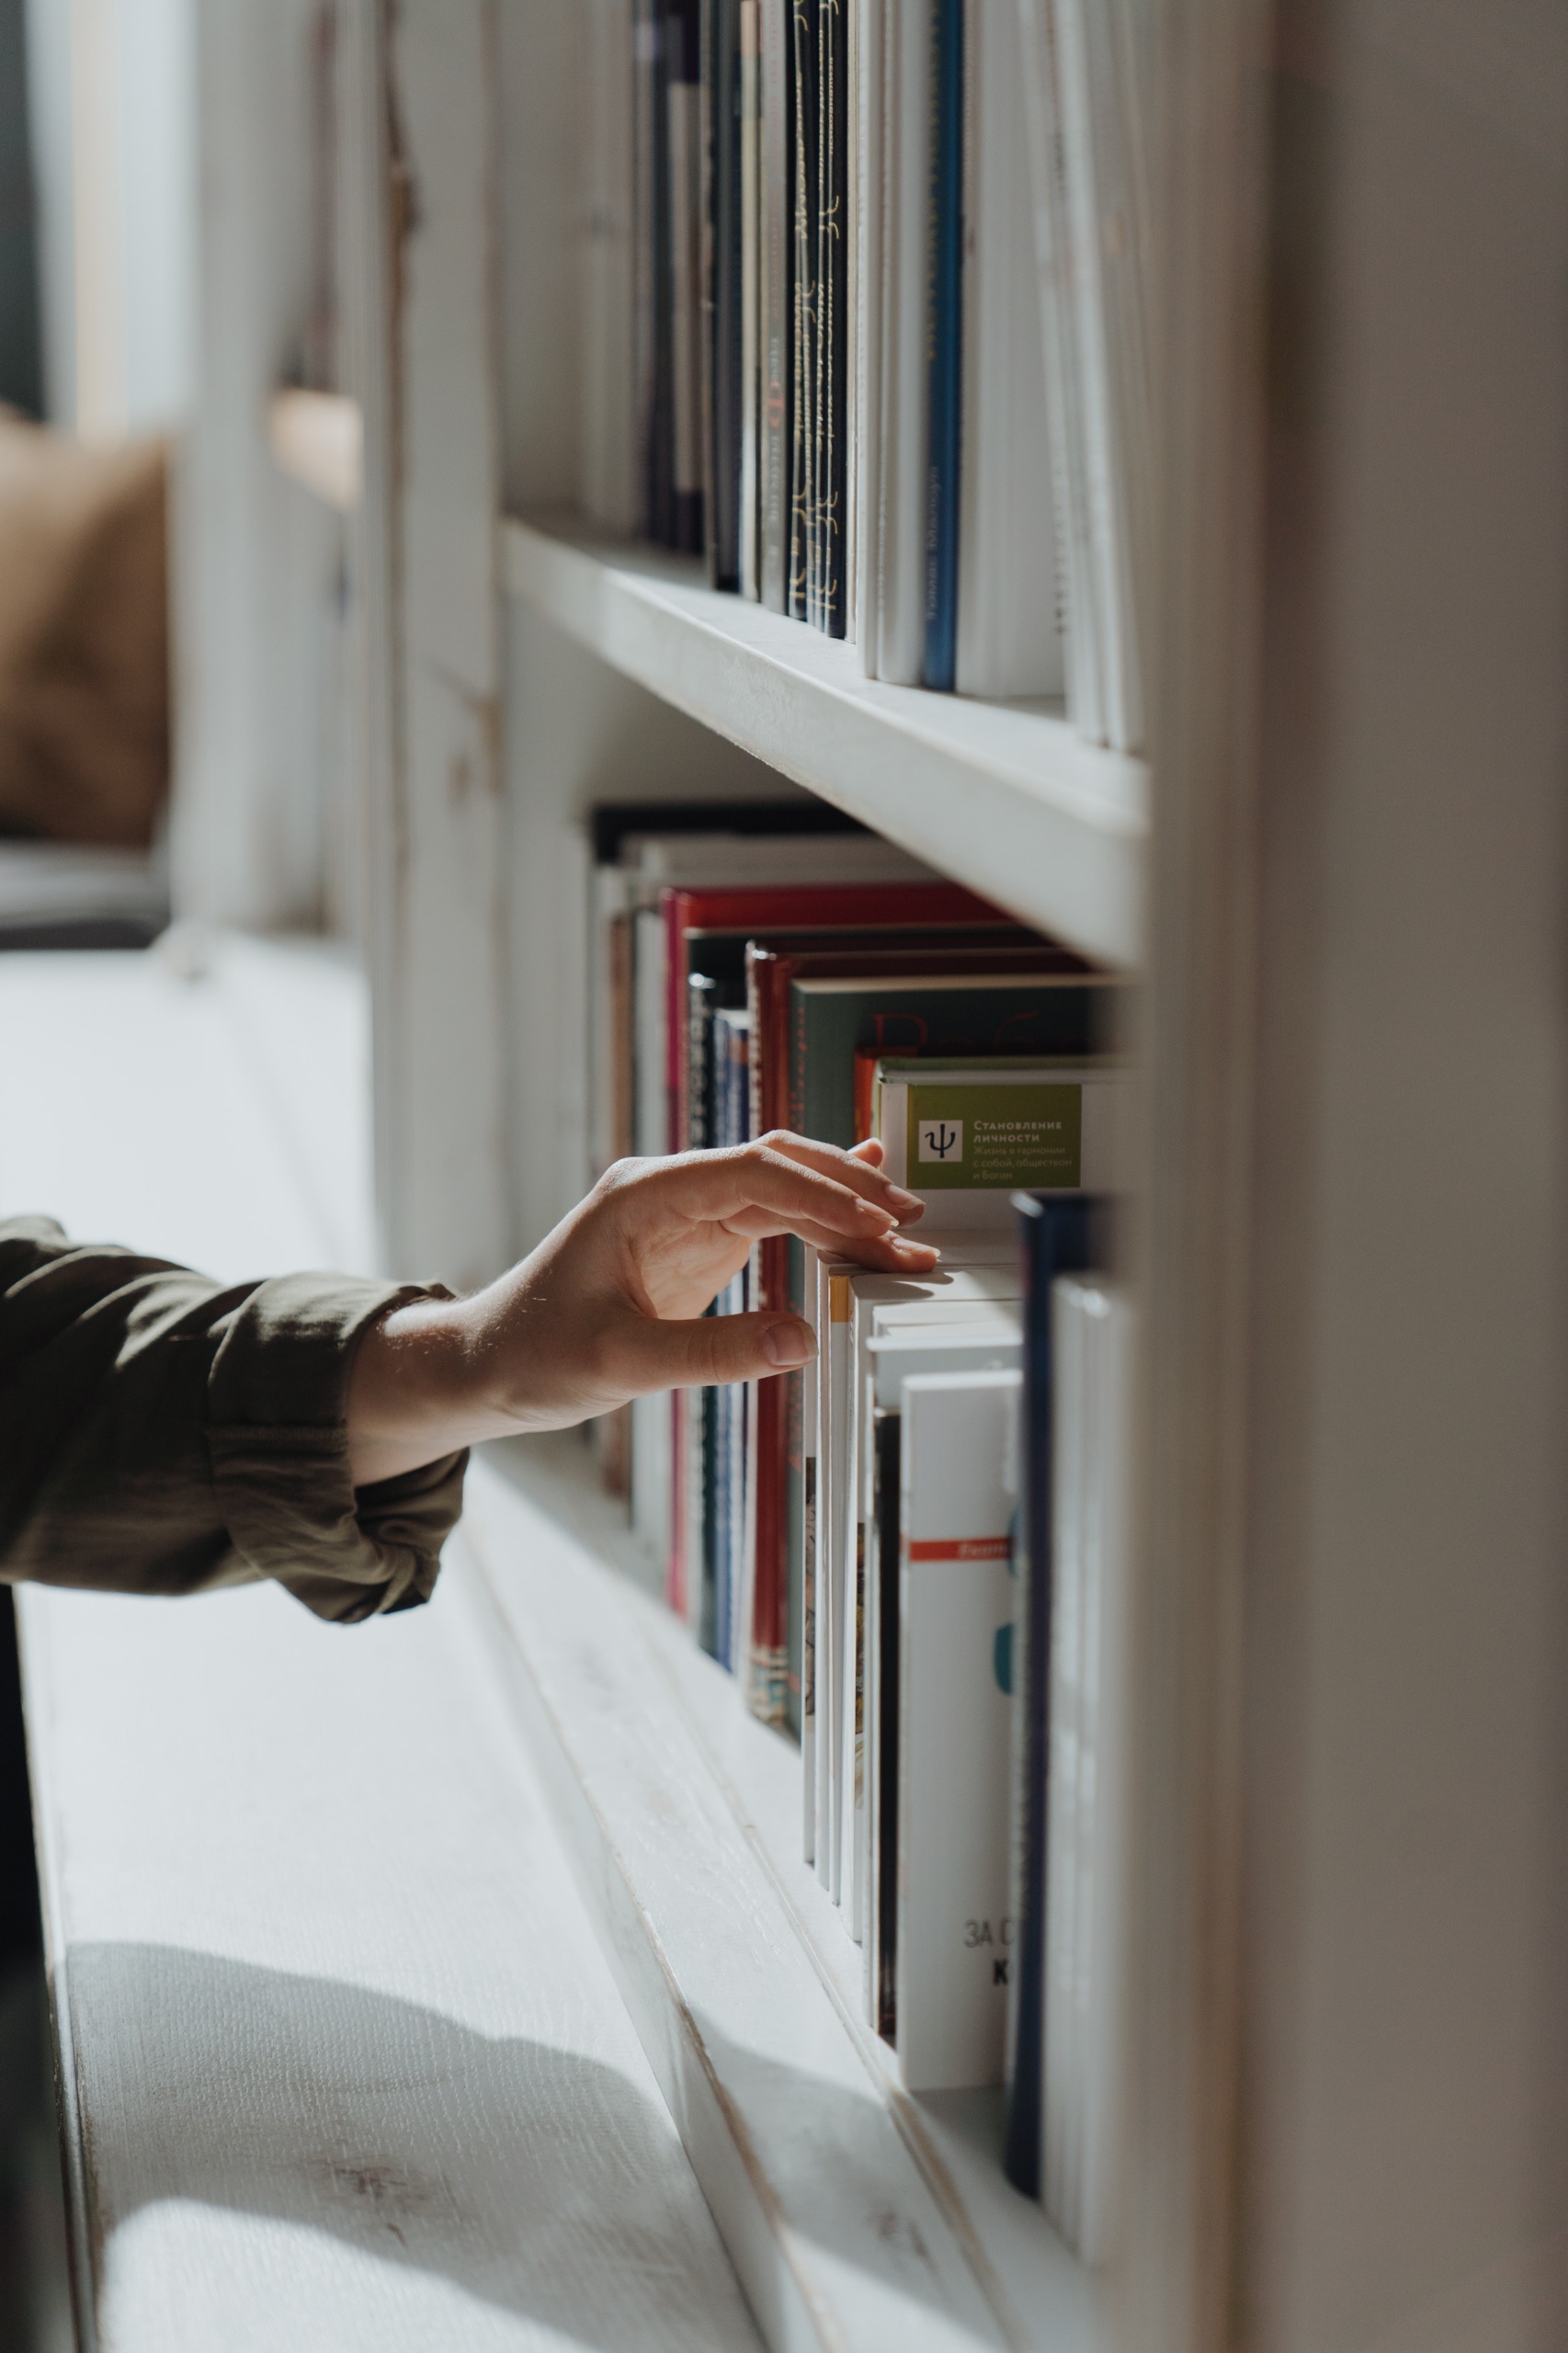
[{"x": 161, "y": 1433}]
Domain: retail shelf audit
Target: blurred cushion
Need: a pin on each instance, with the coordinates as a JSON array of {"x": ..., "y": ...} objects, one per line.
[{"x": 83, "y": 636}]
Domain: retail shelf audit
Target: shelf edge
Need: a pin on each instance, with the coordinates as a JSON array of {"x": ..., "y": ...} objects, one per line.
[{"x": 1011, "y": 802}]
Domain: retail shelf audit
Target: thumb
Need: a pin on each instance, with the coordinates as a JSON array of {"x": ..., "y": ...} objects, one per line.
[{"x": 689, "y": 1353}]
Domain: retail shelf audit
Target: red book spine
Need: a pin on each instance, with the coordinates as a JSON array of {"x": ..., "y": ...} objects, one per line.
[{"x": 770, "y": 1574}]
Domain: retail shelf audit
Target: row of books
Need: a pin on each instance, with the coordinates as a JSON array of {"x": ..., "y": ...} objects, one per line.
[
  {"x": 967, "y": 1668},
  {"x": 847, "y": 1541},
  {"x": 867, "y": 321}
]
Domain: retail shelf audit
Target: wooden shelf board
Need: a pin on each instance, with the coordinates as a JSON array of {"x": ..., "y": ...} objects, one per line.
[
  {"x": 1006, "y": 796},
  {"x": 855, "y": 2215}
]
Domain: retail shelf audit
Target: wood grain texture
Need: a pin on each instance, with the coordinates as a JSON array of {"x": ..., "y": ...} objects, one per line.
[
  {"x": 343, "y": 2064},
  {"x": 347, "y": 2066},
  {"x": 1004, "y": 796},
  {"x": 855, "y": 2219},
  {"x": 420, "y": 91}
]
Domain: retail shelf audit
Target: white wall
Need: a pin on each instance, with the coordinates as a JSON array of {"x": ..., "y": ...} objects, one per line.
[
  {"x": 112, "y": 100},
  {"x": 259, "y": 561}
]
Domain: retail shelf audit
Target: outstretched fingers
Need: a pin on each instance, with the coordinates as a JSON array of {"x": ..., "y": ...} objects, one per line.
[{"x": 786, "y": 1185}]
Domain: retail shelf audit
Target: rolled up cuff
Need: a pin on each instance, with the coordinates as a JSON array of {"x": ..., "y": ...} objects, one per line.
[{"x": 277, "y": 1443}]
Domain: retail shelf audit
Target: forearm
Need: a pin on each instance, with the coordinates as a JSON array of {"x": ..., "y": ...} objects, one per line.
[
  {"x": 161, "y": 1433},
  {"x": 424, "y": 1386}
]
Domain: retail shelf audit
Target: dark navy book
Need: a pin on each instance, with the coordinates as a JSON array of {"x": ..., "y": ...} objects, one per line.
[
  {"x": 1058, "y": 1233},
  {"x": 944, "y": 330}
]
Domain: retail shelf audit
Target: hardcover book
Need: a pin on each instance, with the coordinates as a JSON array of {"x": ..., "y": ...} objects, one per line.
[
  {"x": 959, "y": 1465},
  {"x": 964, "y": 1135},
  {"x": 1060, "y": 1233},
  {"x": 944, "y": 343}
]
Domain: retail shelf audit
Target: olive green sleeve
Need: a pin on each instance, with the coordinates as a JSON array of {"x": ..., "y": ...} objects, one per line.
[{"x": 160, "y": 1433}]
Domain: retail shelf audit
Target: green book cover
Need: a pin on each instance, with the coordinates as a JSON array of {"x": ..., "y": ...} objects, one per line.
[
  {"x": 1023, "y": 1017},
  {"x": 1032, "y": 1017}
]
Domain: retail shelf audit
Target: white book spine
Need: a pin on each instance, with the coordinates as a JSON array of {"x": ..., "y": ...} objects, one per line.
[
  {"x": 1056, "y": 320},
  {"x": 1100, "y": 231},
  {"x": 868, "y": 94},
  {"x": 839, "y": 1373},
  {"x": 1064, "y": 1753},
  {"x": 811, "y": 1415},
  {"x": 1009, "y": 640},
  {"x": 1092, "y": 1335},
  {"x": 898, "y": 555},
  {"x": 959, "y": 1462}
]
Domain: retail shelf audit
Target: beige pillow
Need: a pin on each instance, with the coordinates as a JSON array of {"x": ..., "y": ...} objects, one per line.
[{"x": 83, "y": 636}]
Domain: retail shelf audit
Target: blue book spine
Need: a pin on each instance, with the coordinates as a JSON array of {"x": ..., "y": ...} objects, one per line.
[
  {"x": 944, "y": 342},
  {"x": 1056, "y": 1236}
]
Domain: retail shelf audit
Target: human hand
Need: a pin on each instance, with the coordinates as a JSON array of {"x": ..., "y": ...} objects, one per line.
[{"x": 610, "y": 1305}]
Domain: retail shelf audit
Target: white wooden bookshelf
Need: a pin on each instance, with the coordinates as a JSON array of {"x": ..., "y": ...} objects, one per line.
[
  {"x": 1348, "y": 870},
  {"x": 1006, "y": 796}
]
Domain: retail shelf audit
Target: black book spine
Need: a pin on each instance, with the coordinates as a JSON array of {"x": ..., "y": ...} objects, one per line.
[
  {"x": 726, "y": 396},
  {"x": 661, "y": 405},
  {"x": 833, "y": 281},
  {"x": 804, "y": 206},
  {"x": 1055, "y": 1234},
  {"x": 683, "y": 66},
  {"x": 775, "y": 325},
  {"x": 884, "y": 1895}
]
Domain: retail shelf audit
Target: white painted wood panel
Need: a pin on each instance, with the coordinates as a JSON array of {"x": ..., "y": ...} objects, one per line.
[
  {"x": 343, "y": 2066},
  {"x": 1005, "y": 797},
  {"x": 346, "y": 2068},
  {"x": 856, "y": 2217},
  {"x": 420, "y": 91}
]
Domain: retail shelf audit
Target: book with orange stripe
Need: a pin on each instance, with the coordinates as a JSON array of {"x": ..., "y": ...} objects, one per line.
[{"x": 959, "y": 1483}]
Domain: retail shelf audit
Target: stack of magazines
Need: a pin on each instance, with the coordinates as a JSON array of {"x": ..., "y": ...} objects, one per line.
[{"x": 867, "y": 325}]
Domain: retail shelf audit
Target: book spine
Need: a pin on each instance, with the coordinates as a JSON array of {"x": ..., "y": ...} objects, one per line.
[
  {"x": 954, "y": 1953},
  {"x": 701, "y": 1406},
  {"x": 803, "y": 367},
  {"x": 750, "y": 490},
  {"x": 854, "y": 183},
  {"x": 894, "y": 651},
  {"x": 1009, "y": 639},
  {"x": 722, "y": 147},
  {"x": 766, "y": 1560},
  {"x": 1082, "y": 2044},
  {"x": 776, "y": 302},
  {"x": 1065, "y": 1761},
  {"x": 655, "y": 317},
  {"x": 840, "y": 1362},
  {"x": 814, "y": 1317},
  {"x": 1067, "y": 458},
  {"x": 1054, "y": 1238},
  {"x": 832, "y": 335},
  {"x": 663, "y": 403},
  {"x": 944, "y": 329},
  {"x": 684, "y": 149},
  {"x": 870, "y": 96},
  {"x": 881, "y": 1941},
  {"x": 709, "y": 70}
]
